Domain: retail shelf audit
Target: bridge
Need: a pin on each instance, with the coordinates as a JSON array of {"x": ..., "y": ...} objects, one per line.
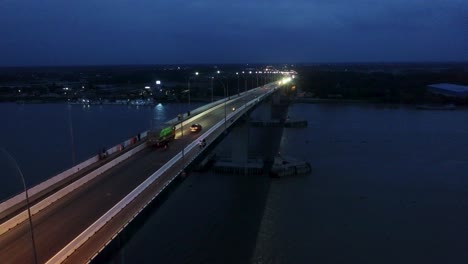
[{"x": 78, "y": 212}]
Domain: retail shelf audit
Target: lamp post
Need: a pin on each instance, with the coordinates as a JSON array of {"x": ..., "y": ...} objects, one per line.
[
  {"x": 211, "y": 81},
  {"x": 238, "y": 89},
  {"x": 181, "y": 124},
  {"x": 225, "y": 101},
  {"x": 250, "y": 72},
  {"x": 256, "y": 75},
  {"x": 33, "y": 242},
  {"x": 188, "y": 86},
  {"x": 245, "y": 81},
  {"x": 182, "y": 134},
  {"x": 70, "y": 125}
]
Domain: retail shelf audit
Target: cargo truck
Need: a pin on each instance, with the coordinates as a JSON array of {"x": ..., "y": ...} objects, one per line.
[{"x": 162, "y": 137}]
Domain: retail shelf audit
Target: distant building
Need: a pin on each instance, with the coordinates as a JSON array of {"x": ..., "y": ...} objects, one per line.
[{"x": 448, "y": 89}]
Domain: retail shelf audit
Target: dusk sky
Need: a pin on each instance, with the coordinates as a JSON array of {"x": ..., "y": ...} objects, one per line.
[{"x": 60, "y": 32}]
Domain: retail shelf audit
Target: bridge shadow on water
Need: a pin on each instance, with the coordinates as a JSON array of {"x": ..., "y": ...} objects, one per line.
[
  {"x": 198, "y": 226},
  {"x": 204, "y": 217}
]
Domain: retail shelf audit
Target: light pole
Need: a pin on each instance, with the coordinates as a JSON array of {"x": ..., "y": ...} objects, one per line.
[
  {"x": 225, "y": 101},
  {"x": 188, "y": 86},
  {"x": 33, "y": 242},
  {"x": 226, "y": 95},
  {"x": 181, "y": 124},
  {"x": 182, "y": 135},
  {"x": 256, "y": 75},
  {"x": 211, "y": 88},
  {"x": 238, "y": 92},
  {"x": 245, "y": 81},
  {"x": 70, "y": 125},
  {"x": 250, "y": 72},
  {"x": 218, "y": 73}
]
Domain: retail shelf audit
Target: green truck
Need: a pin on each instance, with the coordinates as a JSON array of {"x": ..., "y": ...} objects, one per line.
[{"x": 161, "y": 137}]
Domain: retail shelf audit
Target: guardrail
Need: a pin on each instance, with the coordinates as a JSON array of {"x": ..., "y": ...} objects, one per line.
[
  {"x": 19, "y": 218},
  {"x": 214, "y": 106},
  {"x": 63, "y": 254},
  {"x": 16, "y": 202},
  {"x": 206, "y": 107}
]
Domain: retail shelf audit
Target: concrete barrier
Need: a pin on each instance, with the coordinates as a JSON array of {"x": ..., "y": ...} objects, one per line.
[
  {"x": 98, "y": 224},
  {"x": 18, "y": 201},
  {"x": 207, "y": 106},
  {"x": 19, "y": 218}
]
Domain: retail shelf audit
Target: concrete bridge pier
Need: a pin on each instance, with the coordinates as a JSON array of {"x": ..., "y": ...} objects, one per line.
[
  {"x": 240, "y": 147},
  {"x": 262, "y": 142}
]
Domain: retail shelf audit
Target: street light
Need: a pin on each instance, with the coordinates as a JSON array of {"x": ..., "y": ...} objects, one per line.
[
  {"x": 188, "y": 86},
  {"x": 27, "y": 202},
  {"x": 238, "y": 92},
  {"x": 256, "y": 75},
  {"x": 70, "y": 126},
  {"x": 211, "y": 78},
  {"x": 225, "y": 100},
  {"x": 245, "y": 81}
]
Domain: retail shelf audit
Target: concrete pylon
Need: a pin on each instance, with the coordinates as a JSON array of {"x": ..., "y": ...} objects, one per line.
[
  {"x": 276, "y": 98},
  {"x": 240, "y": 146},
  {"x": 263, "y": 112}
]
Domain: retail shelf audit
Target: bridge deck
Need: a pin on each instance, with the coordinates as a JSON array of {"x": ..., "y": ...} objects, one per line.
[{"x": 61, "y": 222}]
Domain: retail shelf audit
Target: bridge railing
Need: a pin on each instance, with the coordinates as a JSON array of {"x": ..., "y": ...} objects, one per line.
[
  {"x": 18, "y": 201},
  {"x": 98, "y": 224}
]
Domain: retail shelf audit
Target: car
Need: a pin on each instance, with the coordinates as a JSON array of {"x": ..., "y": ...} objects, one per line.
[{"x": 195, "y": 128}]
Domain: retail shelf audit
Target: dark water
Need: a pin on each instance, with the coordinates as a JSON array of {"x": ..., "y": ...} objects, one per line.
[
  {"x": 389, "y": 185},
  {"x": 38, "y": 135}
]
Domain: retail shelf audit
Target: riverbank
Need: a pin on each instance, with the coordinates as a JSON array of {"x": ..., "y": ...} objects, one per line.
[
  {"x": 137, "y": 102},
  {"x": 315, "y": 100}
]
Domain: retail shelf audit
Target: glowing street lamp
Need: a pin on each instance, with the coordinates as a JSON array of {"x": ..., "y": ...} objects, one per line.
[
  {"x": 188, "y": 86},
  {"x": 245, "y": 81},
  {"x": 33, "y": 242},
  {"x": 238, "y": 92}
]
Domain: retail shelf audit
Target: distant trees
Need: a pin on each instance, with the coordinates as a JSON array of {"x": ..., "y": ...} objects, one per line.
[{"x": 404, "y": 87}]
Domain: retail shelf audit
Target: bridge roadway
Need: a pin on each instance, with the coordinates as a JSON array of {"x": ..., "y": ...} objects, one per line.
[{"x": 58, "y": 224}]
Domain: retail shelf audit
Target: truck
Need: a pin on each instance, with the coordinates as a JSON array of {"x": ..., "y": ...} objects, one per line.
[{"x": 159, "y": 138}]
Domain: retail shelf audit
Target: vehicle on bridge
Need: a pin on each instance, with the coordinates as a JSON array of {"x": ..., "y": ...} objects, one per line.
[
  {"x": 195, "y": 128},
  {"x": 161, "y": 138}
]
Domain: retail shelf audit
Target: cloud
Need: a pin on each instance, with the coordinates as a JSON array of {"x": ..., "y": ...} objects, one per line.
[{"x": 233, "y": 30}]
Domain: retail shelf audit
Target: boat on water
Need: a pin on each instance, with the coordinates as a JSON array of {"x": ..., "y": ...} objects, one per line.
[{"x": 437, "y": 107}]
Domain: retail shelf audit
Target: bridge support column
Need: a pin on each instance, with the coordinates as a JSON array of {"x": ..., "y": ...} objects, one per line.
[
  {"x": 276, "y": 98},
  {"x": 240, "y": 146}
]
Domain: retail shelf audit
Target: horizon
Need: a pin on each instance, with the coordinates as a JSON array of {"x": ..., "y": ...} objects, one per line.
[
  {"x": 356, "y": 63},
  {"x": 116, "y": 32}
]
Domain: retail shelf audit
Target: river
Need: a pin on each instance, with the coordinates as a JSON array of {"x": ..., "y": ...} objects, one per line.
[{"x": 388, "y": 185}]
